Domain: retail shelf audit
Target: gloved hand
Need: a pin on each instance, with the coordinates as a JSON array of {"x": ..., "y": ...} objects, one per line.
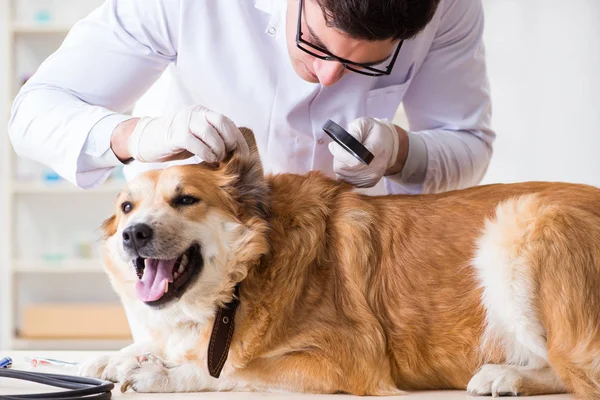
[
  {"x": 194, "y": 130},
  {"x": 377, "y": 135}
]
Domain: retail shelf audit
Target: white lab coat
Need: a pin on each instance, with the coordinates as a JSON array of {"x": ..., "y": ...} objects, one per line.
[{"x": 231, "y": 56}]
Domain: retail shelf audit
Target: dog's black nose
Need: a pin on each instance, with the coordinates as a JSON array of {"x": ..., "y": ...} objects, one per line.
[{"x": 137, "y": 236}]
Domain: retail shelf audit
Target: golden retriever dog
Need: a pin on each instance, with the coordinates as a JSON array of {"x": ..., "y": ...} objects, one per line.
[{"x": 299, "y": 283}]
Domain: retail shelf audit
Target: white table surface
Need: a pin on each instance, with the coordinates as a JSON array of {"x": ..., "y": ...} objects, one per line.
[{"x": 10, "y": 386}]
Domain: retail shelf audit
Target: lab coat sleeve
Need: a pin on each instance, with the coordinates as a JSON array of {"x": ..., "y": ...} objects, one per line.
[
  {"x": 448, "y": 108},
  {"x": 64, "y": 115}
]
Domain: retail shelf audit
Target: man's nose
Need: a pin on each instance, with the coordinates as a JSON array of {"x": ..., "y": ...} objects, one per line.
[
  {"x": 137, "y": 236},
  {"x": 328, "y": 72}
]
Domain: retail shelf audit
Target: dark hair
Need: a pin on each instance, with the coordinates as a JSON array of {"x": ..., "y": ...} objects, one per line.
[{"x": 378, "y": 19}]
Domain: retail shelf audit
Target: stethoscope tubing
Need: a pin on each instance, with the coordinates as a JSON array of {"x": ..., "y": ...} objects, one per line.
[{"x": 81, "y": 387}]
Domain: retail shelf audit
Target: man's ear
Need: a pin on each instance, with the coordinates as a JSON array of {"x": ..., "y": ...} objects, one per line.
[{"x": 248, "y": 182}]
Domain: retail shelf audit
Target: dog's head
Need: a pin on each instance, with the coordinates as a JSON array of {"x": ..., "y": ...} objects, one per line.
[{"x": 185, "y": 235}]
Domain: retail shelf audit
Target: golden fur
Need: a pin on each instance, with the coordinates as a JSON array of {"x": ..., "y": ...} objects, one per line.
[{"x": 342, "y": 292}]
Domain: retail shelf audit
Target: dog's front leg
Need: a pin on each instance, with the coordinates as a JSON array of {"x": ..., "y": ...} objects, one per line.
[
  {"x": 113, "y": 367},
  {"x": 154, "y": 375}
]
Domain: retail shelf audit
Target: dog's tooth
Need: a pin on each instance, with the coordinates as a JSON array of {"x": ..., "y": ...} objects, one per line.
[
  {"x": 181, "y": 268},
  {"x": 176, "y": 275},
  {"x": 167, "y": 287}
]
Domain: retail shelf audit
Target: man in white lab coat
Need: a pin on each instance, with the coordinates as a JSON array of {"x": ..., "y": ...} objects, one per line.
[{"x": 281, "y": 68}]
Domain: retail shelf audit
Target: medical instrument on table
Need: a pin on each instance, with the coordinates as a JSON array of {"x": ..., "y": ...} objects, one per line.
[
  {"x": 81, "y": 388},
  {"x": 36, "y": 361},
  {"x": 348, "y": 142},
  {"x": 6, "y": 362}
]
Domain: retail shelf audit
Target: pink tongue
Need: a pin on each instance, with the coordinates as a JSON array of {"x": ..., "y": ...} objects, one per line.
[{"x": 157, "y": 275}]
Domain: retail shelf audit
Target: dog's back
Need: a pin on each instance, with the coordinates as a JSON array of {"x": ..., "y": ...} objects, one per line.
[{"x": 450, "y": 282}]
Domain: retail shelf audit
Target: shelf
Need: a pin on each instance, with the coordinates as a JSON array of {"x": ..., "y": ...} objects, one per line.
[
  {"x": 64, "y": 188},
  {"x": 20, "y": 343},
  {"x": 27, "y": 43},
  {"x": 68, "y": 266},
  {"x": 30, "y": 28}
]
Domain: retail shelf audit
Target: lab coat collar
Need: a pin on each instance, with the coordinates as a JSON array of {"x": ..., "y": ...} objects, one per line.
[{"x": 276, "y": 9}]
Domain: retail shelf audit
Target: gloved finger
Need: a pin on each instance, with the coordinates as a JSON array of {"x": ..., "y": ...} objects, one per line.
[
  {"x": 228, "y": 131},
  {"x": 356, "y": 181},
  {"x": 342, "y": 158},
  {"x": 359, "y": 128},
  {"x": 206, "y": 133},
  {"x": 199, "y": 148},
  {"x": 180, "y": 156},
  {"x": 349, "y": 171}
]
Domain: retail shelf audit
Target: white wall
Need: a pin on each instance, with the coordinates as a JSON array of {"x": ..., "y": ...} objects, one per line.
[{"x": 544, "y": 66}]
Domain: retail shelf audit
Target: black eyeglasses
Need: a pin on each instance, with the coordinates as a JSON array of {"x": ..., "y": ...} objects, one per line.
[{"x": 323, "y": 54}]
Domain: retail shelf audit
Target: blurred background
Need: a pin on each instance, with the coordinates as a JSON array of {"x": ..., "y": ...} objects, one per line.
[{"x": 544, "y": 66}]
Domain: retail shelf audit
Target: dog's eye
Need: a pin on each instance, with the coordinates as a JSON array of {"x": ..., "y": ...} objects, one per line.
[
  {"x": 185, "y": 200},
  {"x": 126, "y": 207}
]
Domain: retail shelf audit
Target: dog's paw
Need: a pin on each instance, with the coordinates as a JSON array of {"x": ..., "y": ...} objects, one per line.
[
  {"x": 93, "y": 368},
  {"x": 109, "y": 368},
  {"x": 150, "y": 375},
  {"x": 495, "y": 380}
]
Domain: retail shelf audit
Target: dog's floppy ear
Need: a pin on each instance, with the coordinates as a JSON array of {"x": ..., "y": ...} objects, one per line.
[
  {"x": 109, "y": 226},
  {"x": 249, "y": 184},
  {"x": 250, "y": 139}
]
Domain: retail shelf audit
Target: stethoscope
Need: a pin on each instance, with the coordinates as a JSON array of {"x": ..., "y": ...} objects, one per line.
[{"x": 80, "y": 388}]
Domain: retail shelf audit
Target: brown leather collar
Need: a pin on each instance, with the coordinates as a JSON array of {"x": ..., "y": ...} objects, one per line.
[{"x": 222, "y": 332}]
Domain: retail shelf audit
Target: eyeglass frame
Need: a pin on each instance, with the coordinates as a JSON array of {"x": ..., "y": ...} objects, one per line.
[{"x": 346, "y": 63}]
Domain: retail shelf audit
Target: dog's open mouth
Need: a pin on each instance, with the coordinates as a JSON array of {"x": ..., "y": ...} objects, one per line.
[{"x": 163, "y": 280}]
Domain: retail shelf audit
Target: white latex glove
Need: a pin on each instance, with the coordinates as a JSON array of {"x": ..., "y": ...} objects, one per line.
[
  {"x": 380, "y": 138},
  {"x": 195, "y": 129}
]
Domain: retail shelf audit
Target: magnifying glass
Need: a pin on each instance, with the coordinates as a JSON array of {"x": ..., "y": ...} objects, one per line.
[{"x": 348, "y": 142}]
